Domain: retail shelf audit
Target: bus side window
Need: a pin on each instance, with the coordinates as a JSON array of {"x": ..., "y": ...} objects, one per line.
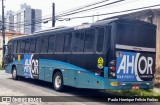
[
  {"x": 10, "y": 47},
  {"x": 32, "y": 45},
  {"x": 22, "y": 46},
  {"x": 89, "y": 40},
  {"x": 67, "y": 42},
  {"x": 59, "y": 42},
  {"x": 27, "y": 46},
  {"x": 100, "y": 40},
  {"x": 38, "y": 45},
  {"x": 18, "y": 46},
  {"x": 78, "y": 41},
  {"x": 15, "y": 47},
  {"x": 44, "y": 44},
  {"x": 51, "y": 44}
]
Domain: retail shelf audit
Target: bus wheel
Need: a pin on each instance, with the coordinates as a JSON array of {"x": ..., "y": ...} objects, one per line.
[
  {"x": 14, "y": 73},
  {"x": 58, "y": 81}
]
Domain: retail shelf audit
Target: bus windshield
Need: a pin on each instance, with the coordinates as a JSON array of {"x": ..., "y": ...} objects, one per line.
[
  {"x": 6, "y": 51},
  {"x": 136, "y": 35}
]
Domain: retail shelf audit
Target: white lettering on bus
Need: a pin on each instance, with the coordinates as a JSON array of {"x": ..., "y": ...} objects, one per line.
[
  {"x": 130, "y": 64},
  {"x": 150, "y": 63},
  {"x": 27, "y": 66},
  {"x": 142, "y": 71},
  {"x": 126, "y": 63},
  {"x": 35, "y": 66},
  {"x": 31, "y": 67}
]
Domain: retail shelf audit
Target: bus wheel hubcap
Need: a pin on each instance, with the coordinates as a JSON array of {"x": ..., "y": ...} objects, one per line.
[
  {"x": 14, "y": 73},
  {"x": 58, "y": 81}
]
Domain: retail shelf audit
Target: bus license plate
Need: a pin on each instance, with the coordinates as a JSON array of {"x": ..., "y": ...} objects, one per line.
[{"x": 135, "y": 87}]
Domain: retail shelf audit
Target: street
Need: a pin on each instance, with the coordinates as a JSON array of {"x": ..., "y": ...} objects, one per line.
[{"x": 28, "y": 87}]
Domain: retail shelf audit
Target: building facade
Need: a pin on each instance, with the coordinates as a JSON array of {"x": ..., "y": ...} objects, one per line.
[
  {"x": 26, "y": 20},
  {"x": 9, "y": 21}
]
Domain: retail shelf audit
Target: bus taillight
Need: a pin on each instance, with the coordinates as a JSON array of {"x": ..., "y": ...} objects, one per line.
[
  {"x": 112, "y": 62},
  {"x": 112, "y": 69}
]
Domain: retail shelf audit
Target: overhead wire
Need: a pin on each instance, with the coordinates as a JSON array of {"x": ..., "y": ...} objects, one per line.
[
  {"x": 82, "y": 7},
  {"x": 129, "y": 10},
  {"x": 90, "y": 8}
]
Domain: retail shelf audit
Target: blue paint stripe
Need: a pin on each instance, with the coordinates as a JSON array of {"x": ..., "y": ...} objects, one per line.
[
  {"x": 64, "y": 65},
  {"x": 61, "y": 64}
]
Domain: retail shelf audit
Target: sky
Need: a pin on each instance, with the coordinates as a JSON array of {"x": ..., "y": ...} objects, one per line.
[{"x": 63, "y": 5}]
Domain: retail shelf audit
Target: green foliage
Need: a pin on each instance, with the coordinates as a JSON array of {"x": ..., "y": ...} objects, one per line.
[{"x": 134, "y": 92}]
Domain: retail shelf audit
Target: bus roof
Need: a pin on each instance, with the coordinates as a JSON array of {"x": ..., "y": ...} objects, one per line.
[{"x": 104, "y": 22}]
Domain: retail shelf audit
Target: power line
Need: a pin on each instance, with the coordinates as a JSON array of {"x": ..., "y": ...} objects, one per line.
[
  {"x": 82, "y": 7},
  {"x": 124, "y": 3},
  {"x": 91, "y": 8},
  {"x": 28, "y": 25},
  {"x": 29, "y": 21},
  {"x": 116, "y": 12},
  {"x": 18, "y": 29},
  {"x": 24, "y": 26},
  {"x": 85, "y": 6}
]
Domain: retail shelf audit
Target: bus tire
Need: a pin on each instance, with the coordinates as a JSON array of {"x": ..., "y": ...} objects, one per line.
[
  {"x": 58, "y": 81},
  {"x": 14, "y": 73}
]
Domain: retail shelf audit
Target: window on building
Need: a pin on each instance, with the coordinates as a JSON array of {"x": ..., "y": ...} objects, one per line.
[
  {"x": 44, "y": 45},
  {"x": 51, "y": 43},
  {"x": 67, "y": 42},
  {"x": 38, "y": 45},
  {"x": 100, "y": 39},
  {"x": 59, "y": 42}
]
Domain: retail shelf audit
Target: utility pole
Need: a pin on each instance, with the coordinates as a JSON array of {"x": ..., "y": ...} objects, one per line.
[
  {"x": 3, "y": 28},
  {"x": 53, "y": 15}
]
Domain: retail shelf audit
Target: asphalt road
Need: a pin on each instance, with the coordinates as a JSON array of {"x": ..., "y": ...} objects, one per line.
[{"x": 29, "y": 87}]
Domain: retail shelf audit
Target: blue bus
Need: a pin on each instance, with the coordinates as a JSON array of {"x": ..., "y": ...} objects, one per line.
[{"x": 112, "y": 54}]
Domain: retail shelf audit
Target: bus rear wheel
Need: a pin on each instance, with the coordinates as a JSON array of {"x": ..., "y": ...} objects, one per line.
[
  {"x": 58, "y": 81},
  {"x": 14, "y": 73}
]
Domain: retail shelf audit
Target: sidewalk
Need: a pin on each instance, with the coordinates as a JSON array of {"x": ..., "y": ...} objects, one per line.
[{"x": 157, "y": 90}]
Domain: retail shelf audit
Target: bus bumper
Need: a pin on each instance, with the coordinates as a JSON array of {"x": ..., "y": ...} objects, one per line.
[{"x": 129, "y": 85}]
